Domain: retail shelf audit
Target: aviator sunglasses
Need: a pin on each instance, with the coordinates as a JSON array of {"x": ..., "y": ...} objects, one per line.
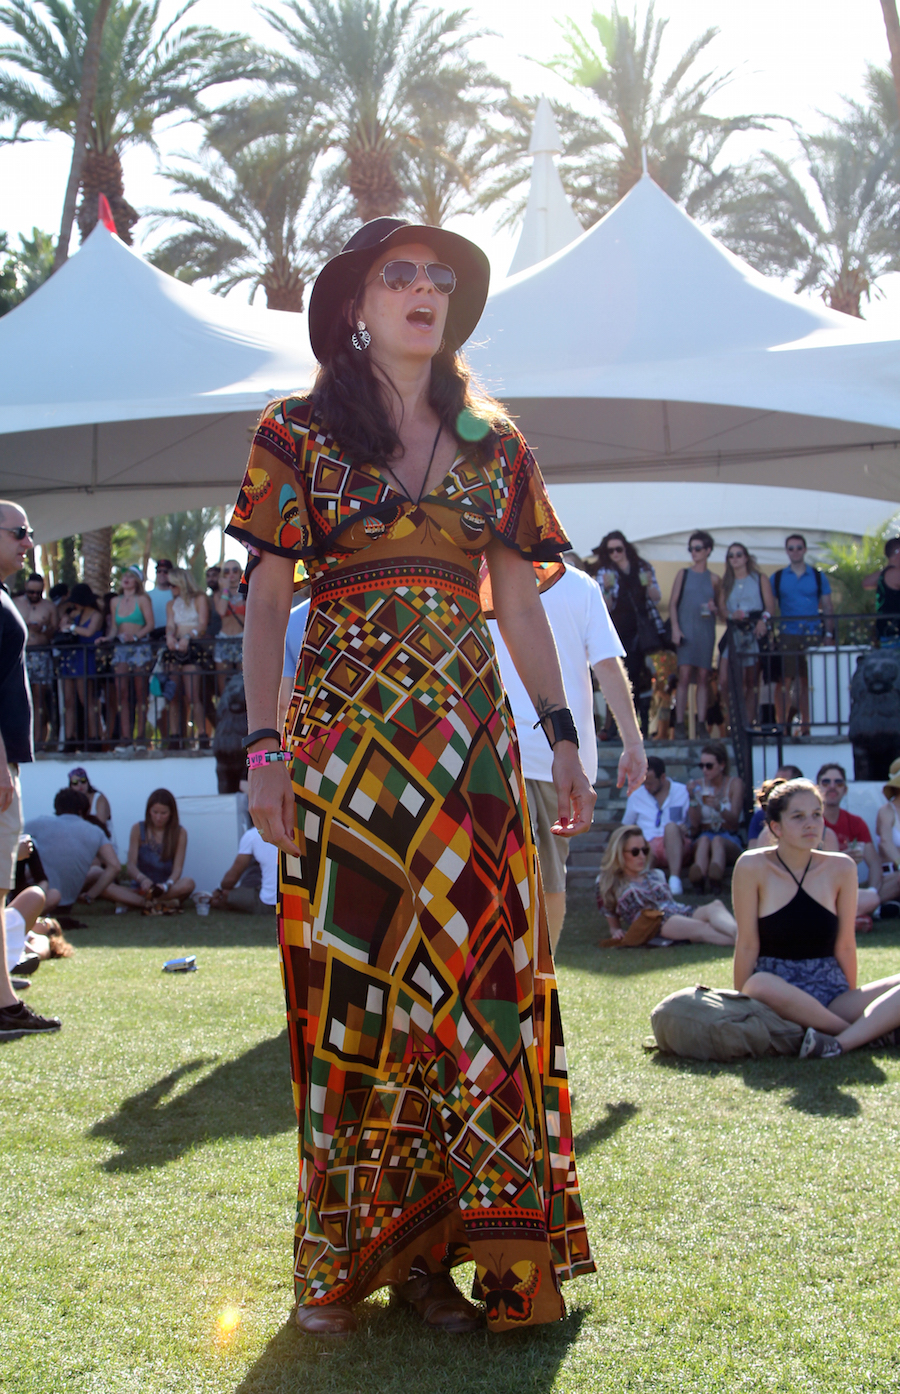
[
  {"x": 400, "y": 275},
  {"x": 20, "y": 533},
  {"x": 637, "y": 851}
]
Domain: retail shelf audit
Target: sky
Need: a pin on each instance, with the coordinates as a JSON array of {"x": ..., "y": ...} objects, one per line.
[{"x": 792, "y": 57}]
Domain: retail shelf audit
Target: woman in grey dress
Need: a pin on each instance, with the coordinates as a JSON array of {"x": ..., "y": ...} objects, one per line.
[
  {"x": 693, "y": 606},
  {"x": 746, "y": 599}
]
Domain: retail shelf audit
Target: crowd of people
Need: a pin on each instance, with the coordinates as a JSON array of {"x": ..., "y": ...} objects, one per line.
[
  {"x": 135, "y": 666},
  {"x": 771, "y": 624}
]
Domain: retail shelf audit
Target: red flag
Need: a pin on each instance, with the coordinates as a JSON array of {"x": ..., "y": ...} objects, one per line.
[{"x": 104, "y": 213}]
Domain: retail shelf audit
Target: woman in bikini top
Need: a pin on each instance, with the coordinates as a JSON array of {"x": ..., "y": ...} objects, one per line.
[{"x": 796, "y": 946}]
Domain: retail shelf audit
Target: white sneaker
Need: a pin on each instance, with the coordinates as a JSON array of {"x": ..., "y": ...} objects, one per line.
[{"x": 675, "y": 885}]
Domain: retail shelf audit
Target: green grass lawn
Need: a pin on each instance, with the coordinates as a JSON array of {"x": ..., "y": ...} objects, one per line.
[{"x": 744, "y": 1218}]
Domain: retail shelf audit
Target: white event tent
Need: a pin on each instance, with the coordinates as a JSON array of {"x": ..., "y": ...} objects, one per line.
[
  {"x": 549, "y": 223},
  {"x": 125, "y": 393},
  {"x": 645, "y": 350}
]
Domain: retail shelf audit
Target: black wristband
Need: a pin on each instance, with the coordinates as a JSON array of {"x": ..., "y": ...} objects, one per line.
[
  {"x": 264, "y": 733},
  {"x": 562, "y": 723}
]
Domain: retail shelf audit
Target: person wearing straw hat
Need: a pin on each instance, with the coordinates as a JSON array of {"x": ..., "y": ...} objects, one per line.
[{"x": 427, "y": 1056}]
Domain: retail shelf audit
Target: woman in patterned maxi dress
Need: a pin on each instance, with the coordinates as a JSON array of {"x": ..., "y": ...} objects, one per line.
[{"x": 427, "y": 1054}]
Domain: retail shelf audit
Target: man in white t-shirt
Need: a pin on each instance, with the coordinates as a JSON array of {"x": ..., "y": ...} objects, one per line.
[
  {"x": 247, "y": 899},
  {"x": 585, "y": 640},
  {"x": 660, "y": 810}
]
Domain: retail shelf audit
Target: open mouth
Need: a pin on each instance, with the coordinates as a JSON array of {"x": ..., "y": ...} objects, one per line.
[{"x": 422, "y": 314}]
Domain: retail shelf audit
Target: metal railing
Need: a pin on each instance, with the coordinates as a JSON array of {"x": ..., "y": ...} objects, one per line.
[
  {"x": 796, "y": 680},
  {"x": 112, "y": 696}
]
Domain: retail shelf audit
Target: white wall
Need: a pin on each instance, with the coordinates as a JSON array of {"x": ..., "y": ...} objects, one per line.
[{"x": 213, "y": 821}]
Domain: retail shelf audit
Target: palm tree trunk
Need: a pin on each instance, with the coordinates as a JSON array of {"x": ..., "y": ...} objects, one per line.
[
  {"x": 370, "y": 174},
  {"x": 96, "y": 552},
  {"x": 283, "y": 285},
  {"x": 148, "y": 549},
  {"x": 102, "y": 174},
  {"x": 90, "y": 74},
  {"x": 847, "y": 292},
  {"x": 68, "y": 566},
  {"x": 892, "y": 25}
]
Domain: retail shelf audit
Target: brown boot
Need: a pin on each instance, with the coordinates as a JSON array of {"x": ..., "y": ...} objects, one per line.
[{"x": 440, "y": 1304}]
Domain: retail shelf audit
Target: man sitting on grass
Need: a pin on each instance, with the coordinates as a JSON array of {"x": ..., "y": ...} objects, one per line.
[
  {"x": 68, "y": 844},
  {"x": 246, "y": 898},
  {"x": 855, "y": 839}
]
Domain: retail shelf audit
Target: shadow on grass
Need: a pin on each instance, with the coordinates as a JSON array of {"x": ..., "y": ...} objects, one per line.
[
  {"x": 617, "y": 1115},
  {"x": 136, "y": 931},
  {"x": 247, "y": 1097},
  {"x": 393, "y": 1353},
  {"x": 815, "y": 1087}
]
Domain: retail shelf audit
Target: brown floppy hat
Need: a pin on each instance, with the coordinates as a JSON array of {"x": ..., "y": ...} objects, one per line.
[{"x": 340, "y": 278}]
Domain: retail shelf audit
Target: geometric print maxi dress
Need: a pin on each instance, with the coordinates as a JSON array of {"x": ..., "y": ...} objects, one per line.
[{"x": 427, "y": 1054}]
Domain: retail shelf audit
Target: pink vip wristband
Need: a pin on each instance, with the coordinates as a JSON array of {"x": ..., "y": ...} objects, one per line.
[{"x": 256, "y": 758}]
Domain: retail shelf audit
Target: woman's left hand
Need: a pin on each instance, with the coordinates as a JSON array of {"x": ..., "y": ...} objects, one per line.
[
  {"x": 574, "y": 791},
  {"x": 761, "y": 629}
]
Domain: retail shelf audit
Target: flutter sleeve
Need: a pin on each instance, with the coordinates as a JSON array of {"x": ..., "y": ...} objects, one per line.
[
  {"x": 524, "y": 516},
  {"x": 270, "y": 514}
]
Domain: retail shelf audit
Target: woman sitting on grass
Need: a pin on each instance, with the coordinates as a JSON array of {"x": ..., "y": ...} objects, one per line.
[
  {"x": 627, "y": 886},
  {"x": 156, "y": 851},
  {"x": 796, "y": 946}
]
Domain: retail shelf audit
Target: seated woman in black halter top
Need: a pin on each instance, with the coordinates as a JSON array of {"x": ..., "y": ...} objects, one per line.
[{"x": 796, "y": 944}]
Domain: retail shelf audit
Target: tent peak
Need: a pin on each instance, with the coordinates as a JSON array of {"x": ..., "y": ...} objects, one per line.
[
  {"x": 549, "y": 223},
  {"x": 545, "y": 137}
]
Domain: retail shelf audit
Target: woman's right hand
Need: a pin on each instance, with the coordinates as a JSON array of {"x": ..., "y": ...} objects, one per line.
[
  {"x": 273, "y": 812},
  {"x": 170, "y": 643},
  {"x": 677, "y": 635}
]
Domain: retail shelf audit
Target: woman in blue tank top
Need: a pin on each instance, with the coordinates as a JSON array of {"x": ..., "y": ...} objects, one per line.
[{"x": 796, "y": 947}]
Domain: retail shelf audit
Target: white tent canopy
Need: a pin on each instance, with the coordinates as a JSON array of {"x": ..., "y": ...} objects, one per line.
[
  {"x": 126, "y": 393},
  {"x": 646, "y": 351},
  {"x": 549, "y": 223}
]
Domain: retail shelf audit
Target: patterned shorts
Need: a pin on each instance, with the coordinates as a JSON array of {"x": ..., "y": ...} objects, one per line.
[
  {"x": 229, "y": 649},
  {"x": 822, "y": 978},
  {"x": 40, "y": 663},
  {"x": 132, "y": 655}
]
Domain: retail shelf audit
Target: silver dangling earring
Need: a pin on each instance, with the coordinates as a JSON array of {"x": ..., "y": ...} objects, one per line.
[{"x": 363, "y": 338}]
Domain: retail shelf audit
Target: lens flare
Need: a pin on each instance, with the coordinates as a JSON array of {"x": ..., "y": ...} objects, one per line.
[
  {"x": 229, "y": 1320},
  {"x": 471, "y": 427}
]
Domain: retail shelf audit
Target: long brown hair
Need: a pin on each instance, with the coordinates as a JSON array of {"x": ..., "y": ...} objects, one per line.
[
  {"x": 172, "y": 828},
  {"x": 354, "y": 403}
]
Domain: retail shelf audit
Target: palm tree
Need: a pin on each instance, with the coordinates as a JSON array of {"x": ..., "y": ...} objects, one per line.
[
  {"x": 26, "y": 269},
  {"x": 267, "y": 228},
  {"x": 443, "y": 160},
  {"x": 368, "y": 65},
  {"x": 147, "y": 72},
  {"x": 639, "y": 112},
  {"x": 834, "y": 230}
]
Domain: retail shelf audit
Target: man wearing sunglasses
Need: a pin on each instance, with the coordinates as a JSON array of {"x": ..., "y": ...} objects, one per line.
[
  {"x": 660, "y": 808},
  {"x": 42, "y": 619},
  {"x": 855, "y": 839},
  {"x": 16, "y": 1019},
  {"x": 804, "y": 596},
  {"x": 159, "y": 598}
]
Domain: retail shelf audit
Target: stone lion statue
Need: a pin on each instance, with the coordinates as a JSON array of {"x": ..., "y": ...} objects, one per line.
[
  {"x": 874, "y": 726},
  {"x": 231, "y": 727}
]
